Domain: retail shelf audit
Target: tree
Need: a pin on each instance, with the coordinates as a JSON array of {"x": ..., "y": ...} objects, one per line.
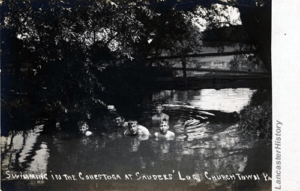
[{"x": 67, "y": 44}]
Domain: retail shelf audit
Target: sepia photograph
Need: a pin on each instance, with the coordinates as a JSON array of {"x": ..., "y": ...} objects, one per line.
[{"x": 137, "y": 95}]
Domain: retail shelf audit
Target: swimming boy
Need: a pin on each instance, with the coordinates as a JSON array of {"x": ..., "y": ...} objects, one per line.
[
  {"x": 164, "y": 132},
  {"x": 122, "y": 126},
  {"x": 121, "y": 122},
  {"x": 159, "y": 116},
  {"x": 135, "y": 129},
  {"x": 83, "y": 128}
]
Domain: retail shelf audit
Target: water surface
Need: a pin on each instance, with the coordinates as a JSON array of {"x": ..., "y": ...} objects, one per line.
[{"x": 185, "y": 163}]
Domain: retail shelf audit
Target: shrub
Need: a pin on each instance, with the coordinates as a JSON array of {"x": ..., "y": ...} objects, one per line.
[{"x": 256, "y": 121}]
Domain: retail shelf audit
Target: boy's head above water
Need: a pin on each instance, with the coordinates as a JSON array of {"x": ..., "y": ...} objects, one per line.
[
  {"x": 159, "y": 108},
  {"x": 83, "y": 127},
  {"x": 119, "y": 120},
  {"x": 164, "y": 126},
  {"x": 133, "y": 126}
]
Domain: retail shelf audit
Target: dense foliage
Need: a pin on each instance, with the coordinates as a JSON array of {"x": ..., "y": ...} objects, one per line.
[
  {"x": 65, "y": 45},
  {"x": 256, "y": 118},
  {"x": 55, "y": 52}
]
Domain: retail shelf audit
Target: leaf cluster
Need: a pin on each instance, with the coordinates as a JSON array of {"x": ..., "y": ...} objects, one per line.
[{"x": 256, "y": 118}]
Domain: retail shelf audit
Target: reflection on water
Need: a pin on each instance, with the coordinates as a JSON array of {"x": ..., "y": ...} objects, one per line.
[
  {"x": 24, "y": 152},
  {"x": 226, "y": 100},
  {"x": 213, "y": 148}
]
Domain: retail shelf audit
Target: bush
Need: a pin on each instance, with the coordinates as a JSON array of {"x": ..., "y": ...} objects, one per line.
[{"x": 256, "y": 121}]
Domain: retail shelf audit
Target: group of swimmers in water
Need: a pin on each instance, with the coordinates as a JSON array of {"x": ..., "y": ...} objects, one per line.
[{"x": 132, "y": 127}]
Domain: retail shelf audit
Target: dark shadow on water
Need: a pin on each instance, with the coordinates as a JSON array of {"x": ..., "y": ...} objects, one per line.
[{"x": 259, "y": 162}]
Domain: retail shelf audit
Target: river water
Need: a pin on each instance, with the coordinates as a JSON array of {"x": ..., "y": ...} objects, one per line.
[{"x": 107, "y": 160}]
